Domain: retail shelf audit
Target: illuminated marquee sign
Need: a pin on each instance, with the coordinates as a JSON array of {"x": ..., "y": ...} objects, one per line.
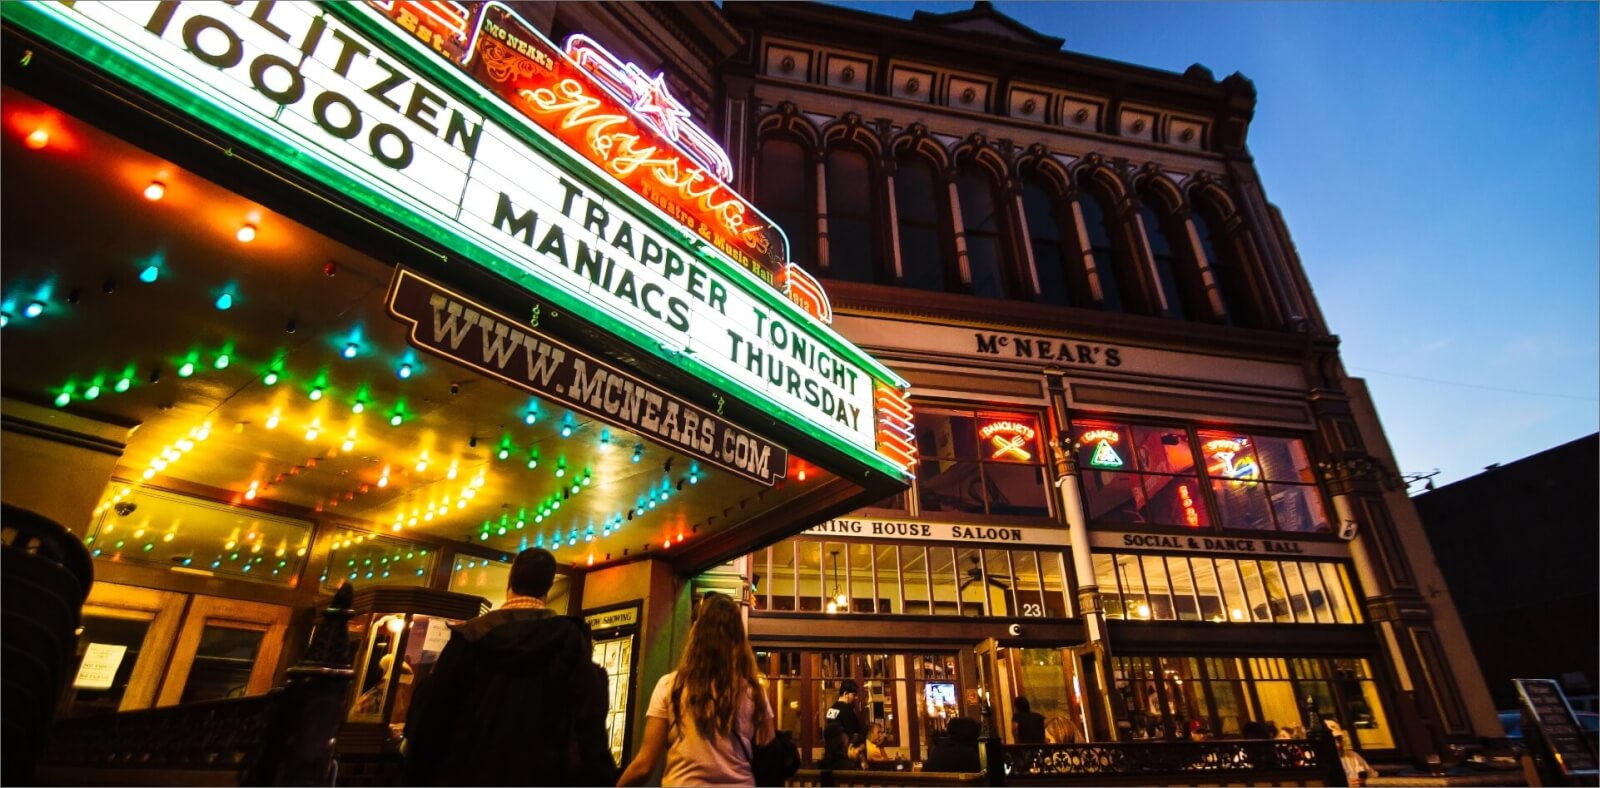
[
  {"x": 307, "y": 87},
  {"x": 451, "y": 326},
  {"x": 1008, "y": 439},
  {"x": 611, "y": 113}
]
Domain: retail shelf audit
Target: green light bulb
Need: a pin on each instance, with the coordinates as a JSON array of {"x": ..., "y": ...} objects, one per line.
[
  {"x": 316, "y": 393},
  {"x": 271, "y": 378},
  {"x": 358, "y": 407},
  {"x": 394, "y": 421},
  {"x": 225, "y": 302},
  {"x": 222, "y": 361},
  {"x": 186, "y": 370},
  {"x": 63, "y": 398},
  {"x": 150, "y": 274},
  {"x": 123, "y": 385},
  {"x": 91, "y": 392}
]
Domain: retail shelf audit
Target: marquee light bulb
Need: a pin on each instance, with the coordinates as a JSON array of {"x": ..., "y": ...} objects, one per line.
[
  {"x": 404, "y": 371},
  {"x": 122, "y": 385},
  {"x": 223, "y": 361},
  {"x": 5, "y": 319},
  {"x": 225, "y": 302},
  {"x": 271, "y": 378},
  {"x": 155, "y": 191},
  {"x": 246, "y": 234},
  {"x": 150, "y": 274},
  {"x": 359, "y": 406},
  {"x": 530, "y": 418},
  {"x": 36, "y": 139},
  {"x": 186, "y": 370},
  {"x": 33, "y": 309},
  {"x": 272, "y": 421},
  {"x": 316, "y": 393},
  {"x": 351, "y": 349},
  {"x": 422, "y": 464},
  {"x": 394, "y": 421},
  {"x": 503, "y": 453},
  {"x": 638, "y": 452},
  {"x": 349, "y": 442},
  {"x": 63, "y": 399},
  {"x": 313, "y": 430},
  {"x": 91, "y": 392}
]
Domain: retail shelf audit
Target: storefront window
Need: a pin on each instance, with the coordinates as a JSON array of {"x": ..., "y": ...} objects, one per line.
[
  {"x": 1262, "y": 482},
  {"x": 911, "y": 696},
  {"x": 1139, "y": 474},
  {"x": 980, "y": 463},
  {"x": 911, "y": 579},
  {"x": 195, "y": 536},
  {"x": 361, "y": 557},
  {"x": 1199, "y": 588}
]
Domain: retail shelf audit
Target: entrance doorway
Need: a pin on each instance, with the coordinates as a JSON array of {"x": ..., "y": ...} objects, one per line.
[
  {"x": 911, "y": 695},
  {"x": 1065, "y": 682}
]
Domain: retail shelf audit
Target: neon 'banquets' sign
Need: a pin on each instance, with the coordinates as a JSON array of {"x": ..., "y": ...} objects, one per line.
[{"x": 613, "y": 114}]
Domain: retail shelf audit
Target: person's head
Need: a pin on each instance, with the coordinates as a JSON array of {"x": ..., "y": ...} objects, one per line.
[
  {"x": 963, "y": 729},
  {"x": 847, "y": 691},
  {"x": 1022, "y": 706},
  {"x": 875, "y": 733},
  {"x": 833, "y": 739},
  {"x": 717, "y": 668},
  {"x": 532, "y": 572},
  {"x": 1057, "y": 730}
]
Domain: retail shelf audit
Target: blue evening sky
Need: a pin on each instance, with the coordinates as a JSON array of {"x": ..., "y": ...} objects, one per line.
[{"x": 1436, "y": 164}]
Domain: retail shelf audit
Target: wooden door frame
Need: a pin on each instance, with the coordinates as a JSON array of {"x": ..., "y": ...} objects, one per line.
[
  {"x": 271, "y": 620},
  {"x": 164, "y": 610}
]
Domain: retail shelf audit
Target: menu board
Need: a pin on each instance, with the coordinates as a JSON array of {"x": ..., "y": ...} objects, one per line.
[{"x": 1545, "y": 703}]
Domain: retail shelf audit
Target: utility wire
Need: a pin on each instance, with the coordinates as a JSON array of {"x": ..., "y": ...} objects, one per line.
[{"x": 1477, "y": 385}]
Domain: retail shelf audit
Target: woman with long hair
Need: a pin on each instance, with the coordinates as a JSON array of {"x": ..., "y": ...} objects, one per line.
[{"x": 707, "y": 716}]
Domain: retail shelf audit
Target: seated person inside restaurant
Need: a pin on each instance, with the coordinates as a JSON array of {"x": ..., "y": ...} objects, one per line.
[
  {"x": 957, "y": 750},
  {"x": 876, "y": 736},
  {"x": 1060, "y": 730}
]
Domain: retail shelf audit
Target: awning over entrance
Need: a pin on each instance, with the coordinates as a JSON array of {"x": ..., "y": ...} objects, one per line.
[{"x": 320, "y": 270}]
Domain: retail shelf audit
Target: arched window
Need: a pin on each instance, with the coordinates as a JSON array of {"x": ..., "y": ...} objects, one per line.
[
  {"x": 919, "y": 201},
  {"x": 1061, "y": 274},
  {"x": 852, "y": 216},
  {"x": 1119, "y": 286},
  {"x": 1240, "y": 302},
  {"x": 983, "y": 218},
  {"x": 1175, "y": 272},
  {"x": 784, "y": 191}
]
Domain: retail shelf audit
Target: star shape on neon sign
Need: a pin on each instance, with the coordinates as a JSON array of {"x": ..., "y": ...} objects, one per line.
[{"x": 653, "y": 101}]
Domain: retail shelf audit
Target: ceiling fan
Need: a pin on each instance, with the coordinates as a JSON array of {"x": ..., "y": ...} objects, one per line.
[{"x": 975, "y": 574}]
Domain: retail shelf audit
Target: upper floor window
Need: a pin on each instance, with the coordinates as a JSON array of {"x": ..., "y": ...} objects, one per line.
[
  {"x": 1178, "y": 277},
  {"x": 1153, "y": 475},
  {"x": 852, "y": 211},
  {"x": 980, "y": 463},
  {"x": 1224, "y": 263},
  {"x": 1119, "y": 284},
  {"x": 919, "y": 201},
  {"x": 982, "y": 220},
  {"x": 1055, "y": 258},
  {"x": 785, "y": 193}
]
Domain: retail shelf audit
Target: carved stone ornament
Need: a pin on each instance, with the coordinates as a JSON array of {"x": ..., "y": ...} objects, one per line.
[
  {"x": 786, "y": 64},
  {"x": 913, "y": 85},
  {"x": 848, "y": 74},
  {"x": 1187, "y": 135},
  {"x": 968, "y": 95},
  {"x": 1082, "y": 115},
  {"x": 1342, "y": 473},
  {"x": 1138, "y": 126},
  {"x": 1029, "y": 106}
]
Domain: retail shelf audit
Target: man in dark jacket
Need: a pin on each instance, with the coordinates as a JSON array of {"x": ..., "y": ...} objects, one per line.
[{"x": 515, "y": 697}]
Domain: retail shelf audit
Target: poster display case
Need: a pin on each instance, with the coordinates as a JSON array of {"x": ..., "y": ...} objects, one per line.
[{"x": 616, "y": 631}]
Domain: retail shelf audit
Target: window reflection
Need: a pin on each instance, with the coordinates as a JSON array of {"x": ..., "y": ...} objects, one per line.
[{"x": 1219, "y": 590}]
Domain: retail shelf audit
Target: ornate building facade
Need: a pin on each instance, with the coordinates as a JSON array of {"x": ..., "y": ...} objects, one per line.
[{"x": 1148, "y": 498}]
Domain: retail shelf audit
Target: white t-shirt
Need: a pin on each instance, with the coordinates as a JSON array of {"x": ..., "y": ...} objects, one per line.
[{"x": 691, "y": 759}]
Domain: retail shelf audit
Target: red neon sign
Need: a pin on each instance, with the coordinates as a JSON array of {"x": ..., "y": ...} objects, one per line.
[
  {"x": 618, "y": 118},
  {"x": 1008, "y": 439}
]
